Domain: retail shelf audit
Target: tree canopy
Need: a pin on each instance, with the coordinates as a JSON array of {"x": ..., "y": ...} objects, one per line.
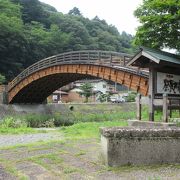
[
  {"x": 86, "y": 91},
  {"x": 75, "y": 11},
  {"x": 31, "y": 30},
  {"x": 160, "y": 24}
]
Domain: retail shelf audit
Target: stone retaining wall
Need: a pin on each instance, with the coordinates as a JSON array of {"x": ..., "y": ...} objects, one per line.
[
  {"x": 16, "y": 109},
  {"x": 138, "y": 145}
]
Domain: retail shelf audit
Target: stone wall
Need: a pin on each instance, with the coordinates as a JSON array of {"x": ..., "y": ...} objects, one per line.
[
  {"x": 10, "y": 110},
  {"x": 138, "y": 145},
  {"x": 149, "y": 124},
  {"x": 6, "y": 110}
]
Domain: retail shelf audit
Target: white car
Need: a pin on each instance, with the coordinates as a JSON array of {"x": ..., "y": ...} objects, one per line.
[{"x": 118, "y": 100}]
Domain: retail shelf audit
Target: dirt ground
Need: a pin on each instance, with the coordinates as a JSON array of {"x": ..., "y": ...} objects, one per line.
[{"x": 72, "y": 160}]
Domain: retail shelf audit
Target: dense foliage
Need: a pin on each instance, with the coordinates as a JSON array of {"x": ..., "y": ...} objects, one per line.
[
  {"x": 104, "y": 97},
  {"x": 160, "y": 21},
  {"x": 31, "y": 30}
]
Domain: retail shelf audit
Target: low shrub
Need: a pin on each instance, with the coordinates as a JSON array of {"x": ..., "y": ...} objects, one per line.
[
  {"x": 38, "y": 120},
  {"x": 131, "y": 97},
  {"x": 12, "y": 122},
  {"x": 63, "y": 119}
]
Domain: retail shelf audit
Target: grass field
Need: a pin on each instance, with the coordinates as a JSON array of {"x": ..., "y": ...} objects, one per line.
[
  {"x": 88, "y": 129},
  {"x": 114, "y": 116}
]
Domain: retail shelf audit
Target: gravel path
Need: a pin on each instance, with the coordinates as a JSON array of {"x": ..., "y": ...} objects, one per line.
[
  {"x": 11, "y": 140},
  {"x": 4, "y": 175},
  {"x": 72, "y": 160}
]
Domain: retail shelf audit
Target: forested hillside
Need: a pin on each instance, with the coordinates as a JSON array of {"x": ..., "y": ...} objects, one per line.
[{"x": 31, "y": 30}]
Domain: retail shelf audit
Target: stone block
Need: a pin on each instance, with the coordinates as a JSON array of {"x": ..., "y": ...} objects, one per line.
[
  {"x": 137, "y": 123},
  {"x": 140, "y": 146}
]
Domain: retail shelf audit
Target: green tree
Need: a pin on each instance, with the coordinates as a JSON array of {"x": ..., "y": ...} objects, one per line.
[
  {"x": 104, "y": 97},
  {"x": 48, "y": 8},
  {"x": 43, "y": 42},
  {"x": 75, "y": 11},
  {"x": 32, "y": 10},
  {"x": 160, "y": 21},
  {"x": 2, "y": 79},
  {"x": 86, "y": 91},
  {"x": 12, "y": 40},
  {"x": 31, "y": 30}
]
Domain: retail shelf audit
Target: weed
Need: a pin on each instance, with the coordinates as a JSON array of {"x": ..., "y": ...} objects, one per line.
[
  {"x": 80, "y": 153},
  {"x": 11, "y": 122},
  {"x": 17, "y": 130},
  {"x": 69, "y": 170},
  {"x": 55, "y": 159}
]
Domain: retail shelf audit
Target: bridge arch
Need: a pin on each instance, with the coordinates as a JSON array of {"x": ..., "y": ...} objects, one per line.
[{"x": 38, "y": 81}]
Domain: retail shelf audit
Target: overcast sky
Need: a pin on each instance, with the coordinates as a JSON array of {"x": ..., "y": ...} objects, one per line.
[{"x": 116, "y": 12}]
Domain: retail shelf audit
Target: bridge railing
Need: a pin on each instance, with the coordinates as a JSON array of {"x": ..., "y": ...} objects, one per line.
[{"x": 105, "y": 58}]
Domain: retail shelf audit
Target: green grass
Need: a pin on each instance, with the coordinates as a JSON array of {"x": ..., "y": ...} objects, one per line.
[
  {"x": 69, "y": 170},
  {"x": 23, "y": 130},
  {"x": 9, "y": 166},
  {"x": 157, "y": 114},
  {"x": 30, "y": 146},
  {"x": 22, "y": 124},
  {"x": 88, "y": 129},
  {"x": 52, "y": 157},
  {"x": 106, "y": 116},
  {"x": 80, "y": 153}
]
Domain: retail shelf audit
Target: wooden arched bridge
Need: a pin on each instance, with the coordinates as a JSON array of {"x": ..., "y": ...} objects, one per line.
[{"x": 41, "y": 79}]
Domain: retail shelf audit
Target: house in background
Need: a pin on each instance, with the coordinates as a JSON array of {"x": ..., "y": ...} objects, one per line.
[
  {"x": 70, "y": 92},
  {"x": 99, "y": 85},
  {"x": 57, "y": 96}
]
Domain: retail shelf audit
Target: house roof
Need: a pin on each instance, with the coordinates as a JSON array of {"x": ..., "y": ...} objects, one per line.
[
  {"x": 146, "y": 55},
  {"x": 60, "y": 92},
  {"x": 89, "y": 81}
]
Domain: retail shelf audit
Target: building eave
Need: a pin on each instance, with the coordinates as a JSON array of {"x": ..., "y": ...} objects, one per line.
[{"x": 144, "y": 54}]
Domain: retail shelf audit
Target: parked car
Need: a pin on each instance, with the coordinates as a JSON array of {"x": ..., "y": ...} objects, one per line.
[{"x": 118, "y": 100}]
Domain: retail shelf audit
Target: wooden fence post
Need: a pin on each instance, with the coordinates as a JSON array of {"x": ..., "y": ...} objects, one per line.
[
  {"x": 151, "y": 108},
  {"x": 170, "y": 110},
  {"x": 138, "y": 104},
  {"x": 151, "y": 93},
  {"x": 165, "y": 107}
]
